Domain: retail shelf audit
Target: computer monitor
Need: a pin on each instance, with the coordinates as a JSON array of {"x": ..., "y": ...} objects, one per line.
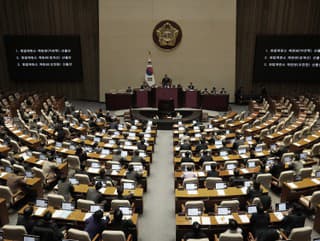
[
  {"x": 242, "y": 151},
  {"x": 88, "y": 148},
  {"x": 221, "y": 185},
  {"x": 194, "y": 212},
  {"x": 124, "y": 153},
  {"x": 191, "y": 186},
  {"x": 115, "y": 167},
  {"x": 223, "y": 211},
  {"x": 29, "y": 174},
  {"x": 281, "y": 207},
  {"x": 223, "y": 153},
  {"x": 248, "y": 184},
  {"x": 132, "y": 134},
  {"x": 72, "y": 147},
  {"x": 112, "y": 142},
  {"x": 82, "y": 137},
  {"x": 59, "y": 160},
  {"x": 208, "y": 168},
  {"x": 28, "y": 237},
  {"x": 198, "y": 135},
  {"x": 227, "y": 132},
  {"x": 249, "y": 138},
  {"x": 231, "y": 166},
  {"x": 273, "y": 147},
  {"x": 94, "y": 208},
  {"x": 58, "y": 144},
  {"x": 270, "y": 162},
  {"x": 126, "y": 210},
  {"x": 258, "y": 149},
  {"x": 252, "y": 209},
  {"x": 147, "y": 135},
  {"x": 105, "y": 151},
  {"x": 142, "y": 154},
  {"x": 138, "y": 168},
  {"x": 196, "y": 128},
  {"x": 96, "y": 139},
  {"x": 303, "y": 155},
  {"x": 67, "y": 206},
  {"x": 218, "y": 142},
  {"x": 317, "y": 174},
  {"x": 128, "y": 185},
  {"x": 42, "y": 157},
  {"x": 128, "y": 143},
  {"x": 42, "y": 203},
  {"x": 251, "y": 164},
  {"x": 73, "y": 181},
  {"x": 95, "y": 165},
  {"x": 287, "y": 159},
  {"x": 8, "y": 169}
]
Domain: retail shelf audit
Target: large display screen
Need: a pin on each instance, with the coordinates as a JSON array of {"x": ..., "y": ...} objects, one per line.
[
  {"x": 43, "y": 57},
  {"x": 287, "y": 58}
]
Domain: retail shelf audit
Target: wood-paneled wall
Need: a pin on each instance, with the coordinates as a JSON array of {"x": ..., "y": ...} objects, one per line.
[
  {"x": 273, "y": 17},
  {"x": 54, "y": 17}
]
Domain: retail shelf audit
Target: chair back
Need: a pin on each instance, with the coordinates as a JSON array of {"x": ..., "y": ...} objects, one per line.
[
  {"x": 6, "y": 193},
  {"x": 301, "y": 234},
  {"x": 185, "y": 165},
  {"x": 233, "y": 204},
  {"x": 197, "y": 239},
  {"x": 5, "y": 163},
  {"x": 264, "y": 179},
  {"x": 73, "y": 162},
  {"x": 77, "y": 234},
  {"x": 192, "y": 180},
  {"x": 84, "y": 204},
  {"x": 286, "y": 176},
  {"x": 112, "y": 235},
  {"x": 39, "y": 173},
  {"x": 82, "y": 178},
  {"x": 230, "y": 237},
  {"x": 315, "y": 200},
  {"x": 116, "y": 203},
  {"x": 194, "y": 204},
  {"x": 19, "y": 169},
  {"x": 210, "y": 182},
  {"x": 14, "y": 232},
  {"x": 55, "y": 200},
  {"x": 305, "y": 172}
]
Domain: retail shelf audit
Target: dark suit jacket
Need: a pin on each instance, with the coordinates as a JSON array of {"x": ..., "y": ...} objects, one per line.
[
  {"x": 133, "y": 175},
  {"x": 277, "y": 169},
  {"x": 259, "y": 223},
  {"x": 48, "y": 231},
  {"x": 185, "y": 146},
  {"x": 195, "y": 235},
  {"x": 28, "y": 223},
  {"x": 94, "y": 195},
  {"x": 213, "y": 173},
  {"x": 127, "y": 226},
  {"x": 292, "y": 221}
]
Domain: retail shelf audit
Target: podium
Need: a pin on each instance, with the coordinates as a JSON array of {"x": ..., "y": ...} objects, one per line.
[
  {"x": 166, "y": 94},
  {"x": 142, "y": 98},
  {"x": 191, "y": 98}
]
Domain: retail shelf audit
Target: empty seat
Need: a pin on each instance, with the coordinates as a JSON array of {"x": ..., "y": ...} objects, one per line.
[{"x": 14, "y": 232}]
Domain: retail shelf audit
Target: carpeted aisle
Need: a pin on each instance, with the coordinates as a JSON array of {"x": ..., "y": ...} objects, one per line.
[{"x": 158, "y": 220}]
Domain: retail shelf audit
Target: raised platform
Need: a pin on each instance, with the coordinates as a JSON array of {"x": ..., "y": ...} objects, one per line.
[{"x": 166, "y": 120}]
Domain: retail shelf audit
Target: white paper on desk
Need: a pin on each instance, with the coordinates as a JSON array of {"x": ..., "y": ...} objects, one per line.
[
  {"x": 244, "y": 156},
  {"x": 61, "y": 214},
  {"x": 40, "y": 162},
  {"x": 192, "y": 192},
  {"x": 64, "y": 150},
  {"x": 16, "y": 131},
  {"x": 244, "y": 190},
  {"x": 244, "y": 170},
  {"x": 287, "y": 129},
  {"x": 220, "y": 192},
  {"x": 279, "y": 215},
  {"x": 3, "y": 174},
  {"x": 201, "y": 174},
  {"x": 292, "y": 185},
  {"x": 280, "y": 133},
  {"x": 205, "y": 220},
  {"x": 244, "y": 218},
  {"x": 306, "y": 140},
  {"x": 316, "y": 181},
  {"x": 296, "y": 144},
  {"x": 22, "y": 136},
  {"x": 225, "y": 158},
  {"x": 315, "y": 136},
  {"x": 39, "y": 211},
  {"x": 230, "y": 172},
  {"x": 195, "y": 219},
  {"x": 114, "y": 172},
  {"x": 223, "y": 219},
  {"x": 93, "y": 170},
  {"x": 103, "y": 156},
  {"x": 115, "y": 192},
  {"x": 29, "y": 138},
  {"x": 102, "y": 190},
  {"x": 87, "y": 215},
  {"x": 24, "y": 156}
]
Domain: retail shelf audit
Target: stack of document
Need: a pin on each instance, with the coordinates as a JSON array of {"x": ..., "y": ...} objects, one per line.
[
  {"x": 205, "y": 221},
  {"x": 244, "y": 218},
  {"x": 39, "y": 211},
  {"x": 279, "y": 215},
  {"x": 61, "y": 214},
  {"x": 192, "y": 192},
  {"x": 221, "y": 192},
  {"x": 223, "y": 219}
]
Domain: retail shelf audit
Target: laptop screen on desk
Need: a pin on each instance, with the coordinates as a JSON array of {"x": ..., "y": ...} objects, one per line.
[
  {"x": 241, "y": 151},
  {"x": 126, "y": 210},
  {"x": 281, "y": 207},
  {"x": 248, "y": 184},
  {"x": 223, "y": 153},
  {"x": 105, "y": 152},
  {"x": 124, "y": 153},
  {"x": 138, "y": 168},
  {"x": 221, "y": 185},
  {"x": 252, "y": 209},
  {"x": 115, "y": 167},
  {"x": 251, "y": 164},
  {"x": 191, "y": 186},
  {"x": 58, "y": 144},
  {"x": 67, "y": 206},
  {"x": 28, "y": 237},
  {"x": 218, "y": 142},
  {"x": 73, "y": 181},
  {"x": 29, "y": 174},
  {"x": 208, "y": 168},
  {"x": 43, "y": 203},
  {"x": 128, "y": 186},
  {"x": 94, "y": 208},
  {"x": 59, "y": 160},
  {"x": 258, "y": 149},
  {"x": 193, "y": 212},
  {"x": 96, "y": 139},
  {"x": 303, "y": 156},
  {"x": 231, "y": 166},
  {"x": 317, "y": 174},
  {"x": 224, "y": 211},
  {"x": 95, "y": 165}
]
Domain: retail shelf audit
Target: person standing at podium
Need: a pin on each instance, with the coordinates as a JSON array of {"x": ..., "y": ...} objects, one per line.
[{"x": 166, "y": 81}]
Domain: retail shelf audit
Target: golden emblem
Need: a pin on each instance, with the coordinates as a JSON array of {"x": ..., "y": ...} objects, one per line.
[{"x": 167, "y": 34}]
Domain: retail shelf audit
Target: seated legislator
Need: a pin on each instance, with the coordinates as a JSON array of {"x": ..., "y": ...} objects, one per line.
[
  {"x": 213, "y": 91},
  {"x": 93, "y": 194},
  {"x": 166, "y": 81},
  {"x": 294, "y": 219},
  {"x": 223, "y": 91},
  {"x": 233, "y": 227},
  {"x": 196, "y": 233},
  {"x": 26, "y": 219},
  {"x": 259, "y": 223},
  {"x": 190, "y": 86},
  {"x": 132, "y": 174},
  {"x": 186, "y": 158},
  {"x": 95, "y": 224},
  {"x": 127, "y": 226}
]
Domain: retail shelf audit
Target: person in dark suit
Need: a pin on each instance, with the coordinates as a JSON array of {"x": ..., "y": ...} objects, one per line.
[
  {"x": 294, "y": 219},
  {"x": 185, "y": 145},
  {"x": 186, "y": 157},
  {"x": 213, "y": 172},
  {"x": 196, "y": 233},
  {"x": 166, "y": 81},
  {"x": 205, "y": 157},
  {"x": 201, "y": 146},
  {"x": 47, "y": 229},
  {"x": 141, "y": 145},
  {"x": 256, "y": 191},
  {"x": 95, "y": 224},
  {"x": 26, "y": 220},
  {"x": 236, "y": 179},
  {"x": 259, "y": 222},
  {"x": 132, "y": 174},
  {"x": 136, "y": 157},
  {"x": 270, "y": 234},
  {"x": 277, "y": 168},
  {"x": 94, "y": 194},
  {"x": 127, "y": 226},
  {"x": 190, "y": 86}
]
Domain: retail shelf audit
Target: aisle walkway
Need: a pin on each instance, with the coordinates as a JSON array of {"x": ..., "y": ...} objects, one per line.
[{"x": 158, "y": 220}]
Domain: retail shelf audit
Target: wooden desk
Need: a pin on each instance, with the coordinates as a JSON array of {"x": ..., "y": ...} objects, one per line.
[
  {"x": 221, "y": 119},
  {"x": 293, "y": 191},
  {"x": 305, "y": 142},
  {"x": 25, "y": 138},
  {"x": 237, "y": 124},
  {"x": 4, "y": 149},
  {"x": 258, "y": 128},
  {"x": 213, "y": 226},
  {"x": 109, "y": 193}
]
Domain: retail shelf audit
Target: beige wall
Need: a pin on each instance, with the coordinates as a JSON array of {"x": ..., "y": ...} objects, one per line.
[{"x": 205, "y": 56}]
